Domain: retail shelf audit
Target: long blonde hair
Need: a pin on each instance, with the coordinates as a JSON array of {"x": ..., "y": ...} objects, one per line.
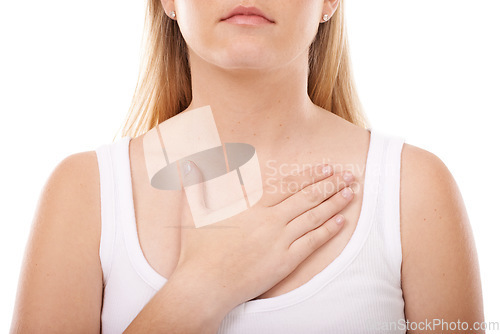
[{"x": 164, "y": 85}]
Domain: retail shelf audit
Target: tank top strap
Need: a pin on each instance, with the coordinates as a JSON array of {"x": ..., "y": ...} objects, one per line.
[
  {"x": 388, "y": 206},
  {"x": 110, "y": 158}
]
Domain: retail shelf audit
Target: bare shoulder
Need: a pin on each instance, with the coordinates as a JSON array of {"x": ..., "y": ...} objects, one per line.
[
  {"x": 80, "y": 171},
  {"x": 440, "y": 272},
  {"x": 429, "y": 193},
  {"x": 60, "y": 284}
]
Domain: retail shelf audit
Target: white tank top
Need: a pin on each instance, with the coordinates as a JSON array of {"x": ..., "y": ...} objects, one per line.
[{"x": 359, "y": 292}]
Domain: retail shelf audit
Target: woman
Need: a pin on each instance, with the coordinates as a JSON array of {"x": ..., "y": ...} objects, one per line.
[{"x": 276, "y": 75}]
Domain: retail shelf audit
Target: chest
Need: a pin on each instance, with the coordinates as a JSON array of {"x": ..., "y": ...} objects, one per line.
[{"x": 159, "y": 213}]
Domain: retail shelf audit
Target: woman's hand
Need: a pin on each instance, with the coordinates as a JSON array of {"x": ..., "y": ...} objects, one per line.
[{"x": 247, "y": 254}]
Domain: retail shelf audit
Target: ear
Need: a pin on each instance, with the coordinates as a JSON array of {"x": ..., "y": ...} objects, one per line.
[
  {"x": 329, "y": 7},
  {"x": 168, "y": 7}
]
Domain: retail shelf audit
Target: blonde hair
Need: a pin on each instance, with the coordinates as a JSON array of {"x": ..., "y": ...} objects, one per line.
[{"x": 164, "y": 85}]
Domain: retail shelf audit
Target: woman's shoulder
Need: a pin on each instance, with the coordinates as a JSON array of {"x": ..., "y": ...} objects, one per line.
[
  {"x": 80, "y": 170},
  {"x": 426, "y": 182},
  {"x": 429, "y": 196},
  {"x": 75, "y": 184},
  {"x": 61, "y": 276},
  {"x": 439, "y": 255},
  {"x": 72, "y": 194}
]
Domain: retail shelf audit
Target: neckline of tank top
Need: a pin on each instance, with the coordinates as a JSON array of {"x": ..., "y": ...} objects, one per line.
[{"x": 305, "y": 291}]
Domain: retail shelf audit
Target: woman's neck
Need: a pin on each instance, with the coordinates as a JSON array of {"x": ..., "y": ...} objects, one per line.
[{"x": 258, "y": 107}]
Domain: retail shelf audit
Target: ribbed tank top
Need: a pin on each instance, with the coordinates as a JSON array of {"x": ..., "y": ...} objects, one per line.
[{"x": 359, "y": 292}]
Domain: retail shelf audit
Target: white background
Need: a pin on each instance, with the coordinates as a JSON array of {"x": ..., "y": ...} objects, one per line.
[{"x": 425, "y": 70}]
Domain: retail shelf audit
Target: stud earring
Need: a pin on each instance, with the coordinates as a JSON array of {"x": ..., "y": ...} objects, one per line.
[
  {"x": 172, "y": 14},
  {"x": 325, "y": 17}
]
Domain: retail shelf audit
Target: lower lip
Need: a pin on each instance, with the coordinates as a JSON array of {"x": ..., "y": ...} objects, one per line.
[{"x": 253, "y": 20}]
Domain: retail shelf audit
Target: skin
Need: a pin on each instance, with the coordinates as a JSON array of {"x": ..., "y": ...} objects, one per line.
[
  {"x": 255, "y": 80},
  {"x": 232, "y": 65}
]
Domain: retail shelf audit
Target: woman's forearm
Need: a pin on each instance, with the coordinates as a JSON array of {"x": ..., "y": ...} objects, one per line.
[{"x": 182, "y": 305}]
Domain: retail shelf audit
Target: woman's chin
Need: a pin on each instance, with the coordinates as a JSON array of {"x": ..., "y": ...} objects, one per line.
[
  {"x": 245, "y": 65},
  {"x": 251, "y": 59}
]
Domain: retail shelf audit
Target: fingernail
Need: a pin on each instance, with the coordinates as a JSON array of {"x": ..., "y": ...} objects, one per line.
[
  {"x": 347, "y": 192},
  {"x": 348, "y": 176},
  {"x": 186, "y": 167},
  {"x": 327, "y": 170},
  {"x": 339, "y": 219}
]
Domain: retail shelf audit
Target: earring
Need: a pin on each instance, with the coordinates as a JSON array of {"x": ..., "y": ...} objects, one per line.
[
  {"x": 172, "y": 14},
  {"x": 325, "y": 17}
]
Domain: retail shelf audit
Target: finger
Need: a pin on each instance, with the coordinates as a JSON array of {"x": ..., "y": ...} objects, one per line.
[
  {"x": 312, "y": 195},
  {"x": 318, "y": 215},
  {"x": 275, "y": 191},
  {"x": 304, "y": 246}
]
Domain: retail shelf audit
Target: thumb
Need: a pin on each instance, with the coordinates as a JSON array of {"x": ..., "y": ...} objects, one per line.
[{"x": 192, "y": 179}]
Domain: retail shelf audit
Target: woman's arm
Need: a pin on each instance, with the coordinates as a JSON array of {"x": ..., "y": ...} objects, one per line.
[
  {"x": 440, "y": 271},
  {"x": 186, "y": 304},
  {"x": 60, "y": 284}
]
